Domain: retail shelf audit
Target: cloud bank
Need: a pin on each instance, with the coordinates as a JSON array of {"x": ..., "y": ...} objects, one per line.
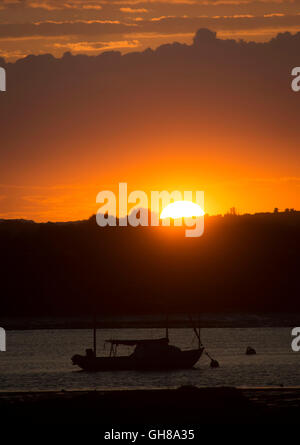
[{"x": 216, "y": 115}]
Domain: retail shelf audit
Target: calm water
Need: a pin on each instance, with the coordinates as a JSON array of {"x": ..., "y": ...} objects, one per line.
[{"x": 40, "y": 359}]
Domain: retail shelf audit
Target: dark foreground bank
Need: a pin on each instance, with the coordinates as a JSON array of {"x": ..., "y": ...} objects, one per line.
[
  {"x": 158, "y": 321},
  {"x": 58, "y": 267},
  {"x": 185, "y": 407}
]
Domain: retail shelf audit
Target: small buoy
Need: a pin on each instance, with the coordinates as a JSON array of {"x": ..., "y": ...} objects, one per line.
[
  {"x": 214, "y": 363},
  {"x": 250, "y": 351}
]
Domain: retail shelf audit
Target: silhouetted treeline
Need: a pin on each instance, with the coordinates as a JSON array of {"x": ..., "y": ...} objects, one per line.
[{"x": 241, "y": 263}]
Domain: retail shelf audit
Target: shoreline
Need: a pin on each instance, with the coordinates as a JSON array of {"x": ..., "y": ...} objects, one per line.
[
  {"x": 75, "y": 392},
  {"x": 143, "y": 322},
  {"x": 183, "y": 406}
]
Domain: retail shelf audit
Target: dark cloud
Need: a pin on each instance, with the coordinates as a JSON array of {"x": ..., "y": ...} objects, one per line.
[
  {"x": 40, "y": 26},
  {"x": 59, "y": 29},
  {"x": 216, "y": 110},
  {"x": 161, "y": 24}
]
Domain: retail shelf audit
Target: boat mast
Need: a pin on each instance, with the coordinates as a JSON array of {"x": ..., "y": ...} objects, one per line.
[
  {"x": 196, "y": 331},
  {"x": 167, "y": 328},
  {"x": 94, "y": 334},
  {"x": 199, "y": 332}
]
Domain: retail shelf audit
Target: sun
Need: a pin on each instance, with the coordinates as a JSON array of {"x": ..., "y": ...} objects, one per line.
[{"x": 181, "y": 209}]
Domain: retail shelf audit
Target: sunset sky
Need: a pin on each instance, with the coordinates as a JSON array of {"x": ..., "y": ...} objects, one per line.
[
  {"x": 205, "y": 113},
  {"x": 82, "y": 26}
]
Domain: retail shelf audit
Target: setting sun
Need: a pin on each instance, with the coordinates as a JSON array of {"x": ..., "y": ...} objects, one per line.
[{"x": 181, "y": 209}]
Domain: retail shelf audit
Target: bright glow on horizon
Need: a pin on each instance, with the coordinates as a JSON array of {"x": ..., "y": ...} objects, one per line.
[{"x": 181, "y": 209}]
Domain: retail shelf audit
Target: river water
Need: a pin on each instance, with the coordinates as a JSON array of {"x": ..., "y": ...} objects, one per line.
[{"x": 41, "y": 359}]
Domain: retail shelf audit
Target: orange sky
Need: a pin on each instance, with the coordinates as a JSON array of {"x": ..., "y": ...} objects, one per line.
[
  {"x": 83, "y": 26},
  {"x": 56, "y": 196},
  {"x": 214, "y": 115}
]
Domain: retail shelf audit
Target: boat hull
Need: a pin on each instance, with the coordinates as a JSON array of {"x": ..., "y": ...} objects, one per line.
[{"x": 181, "y": 360}]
